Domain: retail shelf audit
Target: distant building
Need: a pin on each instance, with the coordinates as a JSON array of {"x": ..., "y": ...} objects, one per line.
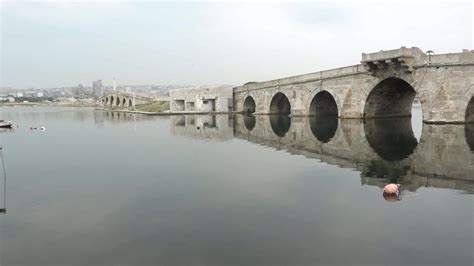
[
  {"x": 40, "y": 95},
  {"x": 210, "y": 99},
  {"x": 97, "y": 89},
  {"x": 29, "y": 94}
]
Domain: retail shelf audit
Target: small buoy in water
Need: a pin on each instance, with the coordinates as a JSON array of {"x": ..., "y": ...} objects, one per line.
[
  {"x": 391, "y": 189},
  {"x": 43, "y": 129}
]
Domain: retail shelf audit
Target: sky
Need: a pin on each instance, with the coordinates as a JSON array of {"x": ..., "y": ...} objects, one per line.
[{"x": 64, "y": 43}]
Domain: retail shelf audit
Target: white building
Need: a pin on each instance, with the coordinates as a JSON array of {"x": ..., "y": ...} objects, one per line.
[{"x": 209, "y": 99}]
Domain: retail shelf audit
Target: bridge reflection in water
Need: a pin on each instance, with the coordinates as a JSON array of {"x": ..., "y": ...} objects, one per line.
[{"x": 382, "y": 150}]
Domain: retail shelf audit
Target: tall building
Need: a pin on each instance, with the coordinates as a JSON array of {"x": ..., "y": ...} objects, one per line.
[{"x": 97, "y": 89}]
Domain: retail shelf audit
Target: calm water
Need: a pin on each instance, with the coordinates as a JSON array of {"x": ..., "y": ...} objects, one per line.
[{"x": 102, "y": 188}]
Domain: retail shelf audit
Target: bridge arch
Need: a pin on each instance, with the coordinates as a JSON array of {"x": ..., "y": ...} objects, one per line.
[
  {"x": 124, "y": 101},
  {"x": 117, "y": 101},
  {"x": 130, "y": 102},
  {"x": 111, "y": 100},
  {"x": 470, "y": 111},
  {"x": 392, "y": 97},
  {"x": 280, "y": 104},
  {"x": 323, "y": 104},
  {"x": 249, "y": 105}
]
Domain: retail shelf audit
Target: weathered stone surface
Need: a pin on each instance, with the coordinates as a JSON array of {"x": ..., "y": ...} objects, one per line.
[{"x": 444, "y": 85}]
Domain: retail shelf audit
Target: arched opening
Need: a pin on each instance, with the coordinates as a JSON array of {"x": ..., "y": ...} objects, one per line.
[
  {"x": 249, "y": 122},
  {"x": 280, "y": 104},
  {"x": 124, "y": 101},
  {"x": 111, "y": 100},
  {"x": 130, "y": 102},
  {"x": 117, "y": 102},
  {"x": 280, "y": 124},
  {"x": 392, "y": 97},
  {"x": 249, "y": 105},
  {"x": 323, "y": 104},
  {"x": 323, "y": 128},
  {"x": 106, "y": 100},
  {"x": 470, "y": 111},
  {"x": 392, "y": 139}
]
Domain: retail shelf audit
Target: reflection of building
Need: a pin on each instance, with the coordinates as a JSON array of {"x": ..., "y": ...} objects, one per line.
[
  {"x": 212, "y": 99},
  {"x": 97, "y": 89},
  {"x": 217, "y": 127}
]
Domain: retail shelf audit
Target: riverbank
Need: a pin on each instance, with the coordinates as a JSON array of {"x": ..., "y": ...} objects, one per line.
[
  {"x": 165, "y": 113},
  {"x": 32, "y": 104}
]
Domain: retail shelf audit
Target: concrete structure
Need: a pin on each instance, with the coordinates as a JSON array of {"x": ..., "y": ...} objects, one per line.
[
  {"x": 383, "y": 85},
  {"x": 211, "y": 99},
  {"x": 120, "y": 99}
]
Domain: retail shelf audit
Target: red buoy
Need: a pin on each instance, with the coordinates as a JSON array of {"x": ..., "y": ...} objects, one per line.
[{"x": 391, "y": 189}]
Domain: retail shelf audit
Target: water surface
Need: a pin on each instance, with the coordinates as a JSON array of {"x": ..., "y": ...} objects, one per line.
[{"x": 105, "y": 188}]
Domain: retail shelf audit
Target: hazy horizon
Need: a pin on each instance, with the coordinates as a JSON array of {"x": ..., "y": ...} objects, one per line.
[{"x": 59, "y": 44}]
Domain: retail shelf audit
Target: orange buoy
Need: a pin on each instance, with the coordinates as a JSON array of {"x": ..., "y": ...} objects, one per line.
[{"x": 391, "y": 189}]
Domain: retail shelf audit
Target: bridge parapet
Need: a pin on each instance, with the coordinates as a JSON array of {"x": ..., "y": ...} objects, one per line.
[
  {"x": 404, "y": 58},
  {"x": 305, "y": 78},
  {"x": 466, "y": 57}
]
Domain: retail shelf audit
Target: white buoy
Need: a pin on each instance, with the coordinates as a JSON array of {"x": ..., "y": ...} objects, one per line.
[{"x": 43, "y": 129}]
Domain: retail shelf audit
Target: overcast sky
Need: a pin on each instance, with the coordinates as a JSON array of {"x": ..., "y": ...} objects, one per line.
[{"x": 62, "y": 44}]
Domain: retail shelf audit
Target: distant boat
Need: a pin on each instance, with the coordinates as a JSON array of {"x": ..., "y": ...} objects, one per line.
[{"x": 6, "y": 124}]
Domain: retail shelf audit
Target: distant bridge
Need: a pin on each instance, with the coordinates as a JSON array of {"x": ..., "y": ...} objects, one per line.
[{"x": 385, "y": 84}]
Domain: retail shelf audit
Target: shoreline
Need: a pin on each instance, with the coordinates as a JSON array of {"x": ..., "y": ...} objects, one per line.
[
  {"x": 46, "y": 105},
  {"x": 162, "y": 113}
]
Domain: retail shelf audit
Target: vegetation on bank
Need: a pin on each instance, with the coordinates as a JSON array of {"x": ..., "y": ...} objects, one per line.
[{"x": 155, "y": 107}]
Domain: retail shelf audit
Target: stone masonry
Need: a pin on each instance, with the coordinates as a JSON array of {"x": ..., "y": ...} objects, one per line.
[{"x": 385, "y": 84}]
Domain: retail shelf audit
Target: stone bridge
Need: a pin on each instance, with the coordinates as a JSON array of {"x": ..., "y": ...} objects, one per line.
[
  {"x": 385, "y": 84},
  {"x": 383, "y": 150},
  {"x": 121, "y": 99}
]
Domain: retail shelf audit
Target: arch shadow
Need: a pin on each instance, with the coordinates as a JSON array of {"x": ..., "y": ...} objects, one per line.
[
  {"x": 280, "y": 124},
  {"x": 392, "y": 97},
  {"x": 323, "y": 104},
  {"x": 249, "y": 105},
  {"x": 280, "y": 104},
  {"x": 392, "y": 139},
  {"x": 470, "y": 111},
  {"x": 249, "y": 122},
  {"x": 469, "y": 132},
  {"x": 323, "y": 128}
]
